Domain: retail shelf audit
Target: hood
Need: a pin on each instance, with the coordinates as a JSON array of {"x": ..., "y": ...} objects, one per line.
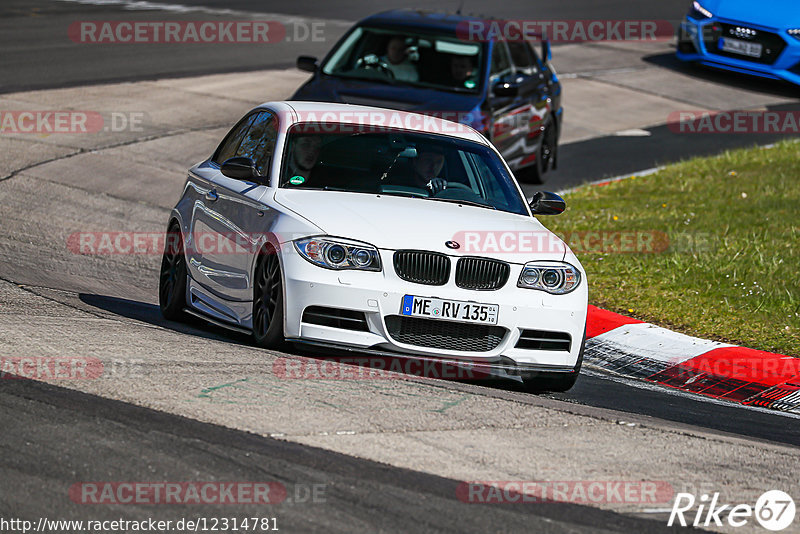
[
  {"x": 772, "y": 13},
  {"x": 394, "y": 223},
  {"x": 334, "y": 89}
]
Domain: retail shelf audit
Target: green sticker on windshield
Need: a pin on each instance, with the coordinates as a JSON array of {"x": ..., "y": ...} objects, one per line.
[
  {"x": 296, "y": 180},
  {"x": 469, "y": 84}
]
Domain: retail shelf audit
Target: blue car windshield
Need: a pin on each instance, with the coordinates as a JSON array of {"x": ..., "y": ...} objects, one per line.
[
  {"x": 406, "y": 58},
  {"x": 387, "y": 161}
]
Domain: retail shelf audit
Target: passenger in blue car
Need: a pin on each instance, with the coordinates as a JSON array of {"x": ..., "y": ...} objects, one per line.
[
  {"x": 397, "y": 60},
  {"x": 462, "y": 69}
]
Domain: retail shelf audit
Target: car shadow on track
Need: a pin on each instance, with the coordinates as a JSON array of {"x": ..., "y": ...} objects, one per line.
[
  {"x": 151, "y": 314},
  {"x": 736, "y": 80}
]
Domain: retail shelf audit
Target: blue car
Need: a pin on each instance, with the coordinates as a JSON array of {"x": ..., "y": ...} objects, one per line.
[
  {"x": 425, "y": 62},
  {"x": 758, "y": 38}
]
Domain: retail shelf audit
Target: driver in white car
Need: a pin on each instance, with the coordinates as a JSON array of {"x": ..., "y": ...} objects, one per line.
[{"x": 427, "y": 166}]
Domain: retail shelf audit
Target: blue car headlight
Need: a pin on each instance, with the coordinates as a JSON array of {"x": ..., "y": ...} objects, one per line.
[
  {"x": 339, "y": 254},
  {"x": 697, "y": 11},
  {"x": 794, "y": 32},
  {"x": 554, "y": 278}
]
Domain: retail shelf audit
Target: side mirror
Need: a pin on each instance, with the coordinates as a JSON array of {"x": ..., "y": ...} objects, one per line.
[
  {"x": 307, "y": 63},
  {"x": 505, "y": 89},
  {"x": 547, "y": 52},
  {"x": 547, "y": 203},
  {"x": 240, "y": 169}
]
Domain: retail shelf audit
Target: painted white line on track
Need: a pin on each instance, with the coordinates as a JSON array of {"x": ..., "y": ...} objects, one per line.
[
  {"x": 656, "y": 511},
  {"x": 633, "y": 132},
  {"x": 638, "y": 174}
]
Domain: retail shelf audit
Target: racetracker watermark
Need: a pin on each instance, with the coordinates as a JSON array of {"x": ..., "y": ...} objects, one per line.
[
  {"x": 376, "y": 368},
  {"x": 47, "y": 122},
  {"x": 73, "y": 368},
  {"x": 153, "y": 243},
  {"x": 50, "y": 368},
  {"x": 565, "y": 31},
  {"x": 177, "y": 492},
  {"x": 321, "y": 121},
  {"x": 734, "y": 122},
  {"x": 760, "y": 369},
  {"x": 112, "y": 243},
  {"x": 572, "y": 491},
  {"x": 194, "y": 32},
  {"x": 583, "y": 242},
  {"x": 311, "y": 121}
]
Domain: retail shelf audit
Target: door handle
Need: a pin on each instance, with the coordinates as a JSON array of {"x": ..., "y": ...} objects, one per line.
[{"x": 212, "y": 195}]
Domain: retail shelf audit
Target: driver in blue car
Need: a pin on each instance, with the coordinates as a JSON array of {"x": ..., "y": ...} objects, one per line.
[{"x": 397, "y": 60}]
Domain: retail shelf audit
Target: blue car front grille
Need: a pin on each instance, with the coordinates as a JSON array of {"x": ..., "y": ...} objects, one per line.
[{"x": 772, "y": 44}]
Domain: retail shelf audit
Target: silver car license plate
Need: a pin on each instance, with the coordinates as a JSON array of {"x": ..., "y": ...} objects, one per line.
[{"x": 449, "y": 310}]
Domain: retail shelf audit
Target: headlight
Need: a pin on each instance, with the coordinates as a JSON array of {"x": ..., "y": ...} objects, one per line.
[
  {"x": 339, "y": 254},
  {"x": 555, "y": 278},
  {"x": 794, "y": 32},
  {"x": 699, "y": 12}
]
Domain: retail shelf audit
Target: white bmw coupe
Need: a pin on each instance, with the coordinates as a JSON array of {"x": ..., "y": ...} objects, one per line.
[{"x": 380, "y": 231}]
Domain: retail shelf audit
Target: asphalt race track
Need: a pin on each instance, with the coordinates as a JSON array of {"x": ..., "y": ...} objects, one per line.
[
  {"x": 199, "y": 403},
  {"x": 359, "y": 495},
  {"x": 36, "y": 54}
]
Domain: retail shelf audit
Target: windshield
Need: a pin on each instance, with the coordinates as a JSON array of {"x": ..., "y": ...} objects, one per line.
[
  {"x": 406, "y": 58},
  {"x": 344, "y": 157}
]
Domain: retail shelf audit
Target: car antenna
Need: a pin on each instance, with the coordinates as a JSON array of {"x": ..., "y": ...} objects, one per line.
[{"x": 460, "y": 7}]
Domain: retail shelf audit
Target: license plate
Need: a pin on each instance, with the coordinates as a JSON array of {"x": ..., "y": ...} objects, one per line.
[
  {"x": 449, "y": 310},
  {"x": 740, "y": 47}
]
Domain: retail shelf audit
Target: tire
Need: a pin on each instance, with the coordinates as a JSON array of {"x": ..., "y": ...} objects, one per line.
[
  {"x": 545, "y": 157},
  {"x": 555, "y": 382},
  {"x": 268, "y": 301},
  {"x": 173, "y": 277}
]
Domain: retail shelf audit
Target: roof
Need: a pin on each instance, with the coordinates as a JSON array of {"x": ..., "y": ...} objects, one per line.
[
  {"x": 327, "y": 112},
  {"x": 421, "y": 19}
]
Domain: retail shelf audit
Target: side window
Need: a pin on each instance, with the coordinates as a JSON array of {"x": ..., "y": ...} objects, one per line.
[
  {"x": 259, "y": 142},
  {"x": 521, "y": 54},
  {"x": 501, "y": 64},
  {"x": 540, "y": 65},
  {"x": 227, "y": 149},
  {"x": 496, "y": 191}
]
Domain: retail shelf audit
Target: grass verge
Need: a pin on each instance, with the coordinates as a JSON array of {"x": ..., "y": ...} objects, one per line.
[{"x": 709, "y": 247}]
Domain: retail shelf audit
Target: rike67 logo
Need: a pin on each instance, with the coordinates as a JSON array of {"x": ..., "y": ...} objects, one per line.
[{"x": 774, "y": 510}]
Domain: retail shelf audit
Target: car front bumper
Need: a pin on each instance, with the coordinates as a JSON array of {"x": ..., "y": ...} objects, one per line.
[
  {"x": 695, "y": 45},
  {"x": 379, "y": 295}
]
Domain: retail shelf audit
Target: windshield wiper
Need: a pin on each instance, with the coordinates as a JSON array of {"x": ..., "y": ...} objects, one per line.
[{"x": 467, "y": 202}]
